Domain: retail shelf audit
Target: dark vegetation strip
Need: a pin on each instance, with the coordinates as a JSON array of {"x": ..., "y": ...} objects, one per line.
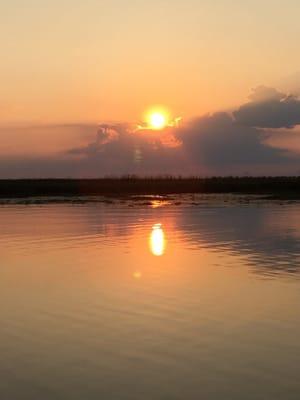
[{"x": 274, "y": 186}]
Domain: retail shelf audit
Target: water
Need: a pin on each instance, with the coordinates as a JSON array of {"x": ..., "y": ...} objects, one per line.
[{"x": 150, "y": 301}]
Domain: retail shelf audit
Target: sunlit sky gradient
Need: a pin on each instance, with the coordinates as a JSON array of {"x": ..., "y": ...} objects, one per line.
[
  {"x": 97, "y": 60},
  {"x": 84, "y": 63}
]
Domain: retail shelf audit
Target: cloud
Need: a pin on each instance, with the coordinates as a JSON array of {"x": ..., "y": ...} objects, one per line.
[
  {"x": 219, "y": 144},
  {"x": 210, "y": 144},
  {"x": 121, "y": 149},
  {"x": 269, "y": 108},
  {"x": 262, "y": 94},
  {"x": 217, "y": 140},
  {"x": 106, "y": 133}
]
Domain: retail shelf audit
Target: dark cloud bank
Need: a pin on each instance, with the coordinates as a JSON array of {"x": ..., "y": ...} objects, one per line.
[
  {"x": 220, "y": 143},
  {"x": 269, "y": 109}
]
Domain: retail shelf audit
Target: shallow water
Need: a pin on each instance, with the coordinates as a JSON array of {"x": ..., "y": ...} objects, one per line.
[{"x": 150, "y": 301}]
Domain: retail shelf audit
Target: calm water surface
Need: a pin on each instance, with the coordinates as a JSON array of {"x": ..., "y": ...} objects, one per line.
[{"x": 150, "y": 301}]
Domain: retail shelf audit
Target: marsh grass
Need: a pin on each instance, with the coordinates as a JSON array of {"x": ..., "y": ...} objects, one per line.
[{"x": 132, "y": 185}]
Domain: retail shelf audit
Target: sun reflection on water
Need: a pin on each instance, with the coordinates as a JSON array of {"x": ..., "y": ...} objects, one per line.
[
  {"x": 159, "y": 203},
  {"x": 157, "y": 240}
]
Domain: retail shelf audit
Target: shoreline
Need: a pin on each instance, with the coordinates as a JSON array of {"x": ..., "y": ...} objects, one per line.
[{"x": 276, "y": 188}]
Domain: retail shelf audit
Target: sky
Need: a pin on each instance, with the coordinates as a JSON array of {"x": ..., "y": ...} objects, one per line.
[{"x": 67, "y": 67}]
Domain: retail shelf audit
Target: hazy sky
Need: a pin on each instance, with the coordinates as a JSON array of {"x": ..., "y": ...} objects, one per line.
[
  {"x": 93, "y": 60},
  {"x": 68, "y": 65}
]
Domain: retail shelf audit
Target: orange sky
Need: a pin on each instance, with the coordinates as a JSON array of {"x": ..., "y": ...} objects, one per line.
[
  {"x": 66, "y": 61},
  {"x": 68, "y": 66}
]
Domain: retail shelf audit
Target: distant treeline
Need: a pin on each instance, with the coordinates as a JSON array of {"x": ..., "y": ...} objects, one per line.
[{"x": 276, "y": 186}]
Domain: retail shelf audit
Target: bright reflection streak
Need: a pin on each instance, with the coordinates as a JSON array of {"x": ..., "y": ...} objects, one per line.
[
  {"x": 157, "y": 240},
  {"x": 159, "y": 203}
]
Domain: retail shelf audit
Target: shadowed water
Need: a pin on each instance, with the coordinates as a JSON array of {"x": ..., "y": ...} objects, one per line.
[{"x": 150, "y": 301}]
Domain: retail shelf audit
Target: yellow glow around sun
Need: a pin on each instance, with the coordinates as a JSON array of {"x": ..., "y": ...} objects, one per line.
[{"x": 158, "y": 120}]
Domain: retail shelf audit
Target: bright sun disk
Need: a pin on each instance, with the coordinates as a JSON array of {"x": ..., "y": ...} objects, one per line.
[{"x": 157, "y": 120}]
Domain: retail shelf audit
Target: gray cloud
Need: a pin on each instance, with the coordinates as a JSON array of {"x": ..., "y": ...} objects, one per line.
[
  {"x": 218, "y": 140},
  {"x": 106, "y": 133},
  {"x": 269, "y": 108},
  {"x": 219, "y": 143},
  {"x": 210, "y": 144}
]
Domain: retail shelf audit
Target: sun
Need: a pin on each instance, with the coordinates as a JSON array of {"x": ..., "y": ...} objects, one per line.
[{"x": 157, "y": 120}]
